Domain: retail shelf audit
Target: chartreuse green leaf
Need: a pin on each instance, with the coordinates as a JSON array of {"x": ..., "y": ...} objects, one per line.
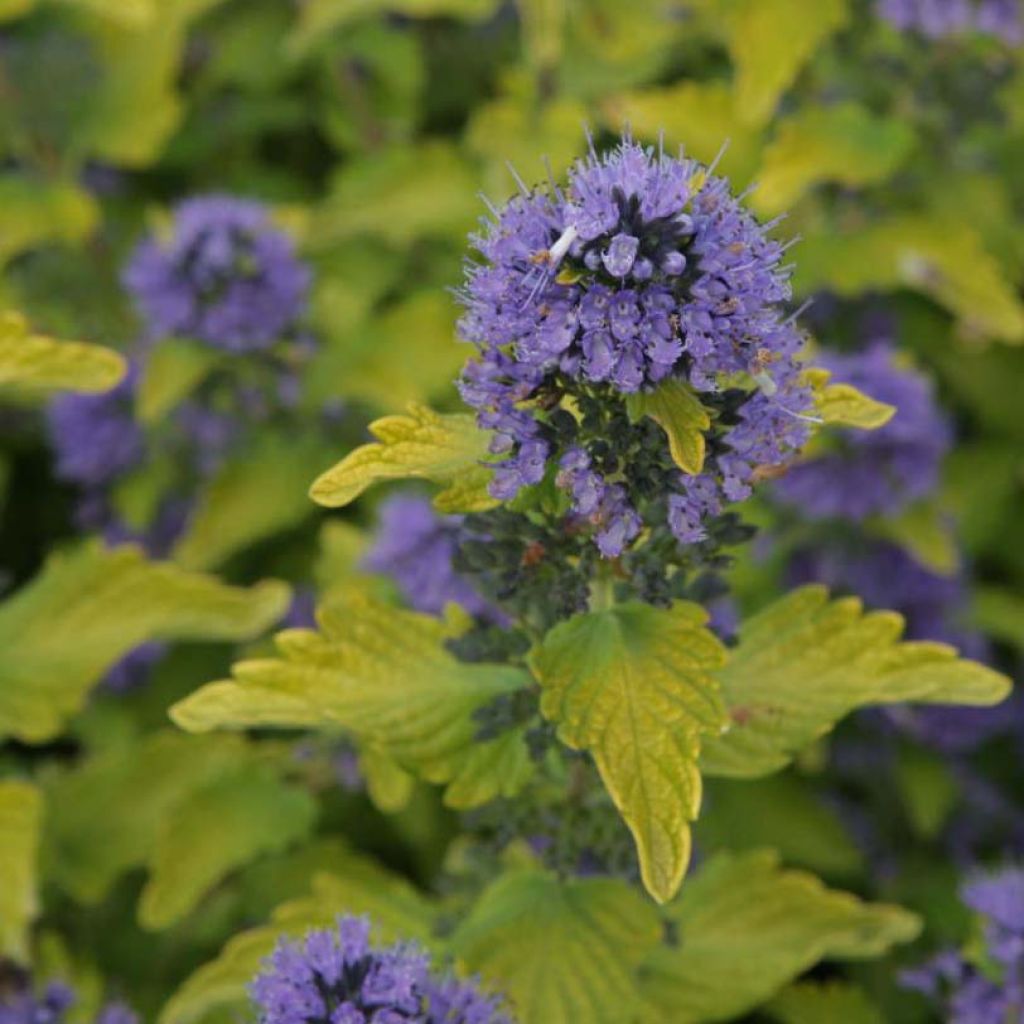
[
  {"x": 561, "y": 951},
  {"x": 678, "y": 411},
  {"x": 781, "y": 812},
  {"x": 812, "y": 1002},
  {"x": 135, "y": 106},
  {"x": 770, "y": 41},
  {"x": 379, "y": 361},
  {"x": 805, "y": 662},
  {"x": 20, "y": 816},
  {"x": 385, "y": 675},
  {"x": 35, "y": 361},
  {"x": 844, "y": 405},
  {"x": 926, "y": 532},
  {"x": 173, "y": 369},
  {"x": 356, "y": 885},
  {"x": 635, "y": 686},
  {"x": 215, "y": 830},
  {"x": 746, "y": 927},
  {"x": 999, "y": 612},
  {"x": 513, "y": 129},
  {"x": 105, "y": 816},
  {"x": 11, "y": 9},
  {"x": 260, "y": 492},
  {"x": 321, "y": 17},
  {"x": 445, "y": 448},
  {"x": 132, "y": 13},
  {"x": 388, "y": 785},
  {"x": 843, "y": 143},
  {"x": 399, "y": 195},
  {"x": 700, "y": 115},
  {"x": 929, "y": 788},
  {"x": 34, "y": 212},
  {"x": 943, "y": 259},
  {"x": 88, "y": 607}
]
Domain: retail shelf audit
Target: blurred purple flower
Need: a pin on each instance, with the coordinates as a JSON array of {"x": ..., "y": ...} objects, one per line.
[
  {"x": 874, "y": 472},
  {"x": 20, "y": 1005},
  {"x": 936, "y": 19},
  {"x": 225, "y": 275},
  {"x": 335, "y": 976},
  {"x": 415, "y": 547},
  {"x": 95, "y": 437},
  {"x": 966, "y": 994}
]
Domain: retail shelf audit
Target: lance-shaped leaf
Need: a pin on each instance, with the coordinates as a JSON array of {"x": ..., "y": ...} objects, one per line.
[
  {"x": 746, "y": 927},
  {"x": 842, "y": 143},
  {"x": 384, "y": 674},
  {"x": 173, "y": 369},
  {"x": 562, "y": 951},
  {"x": 255, "y": 495},
  {"x": 105, "y": 815},
  {"x": 90, "y": 606},
  {"x": 399, "y": 195},
  {"x": 36, "y": 211},
  {"x": 20, "y": 816},
  {"x": 397, "y": 912},
  {"x": 424, "y": 444},
  {"x": 34, "y": 361},
  {"x": 844, "y": 405},
  {"x": 834, "y": 1001},
  {"x": 946, "y": 260},
  {"x": 770, "y": 41},
  {"x": 635, "y": 686},
  {"x": 215, "y": 830},
  {"x": 677, "y": 410},
  {"x": 805, "y": 662}
]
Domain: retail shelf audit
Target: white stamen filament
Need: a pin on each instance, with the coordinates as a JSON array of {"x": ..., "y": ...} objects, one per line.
[
  {"x": 765, "y": 383},
  {"x": 561, "y": 247}
]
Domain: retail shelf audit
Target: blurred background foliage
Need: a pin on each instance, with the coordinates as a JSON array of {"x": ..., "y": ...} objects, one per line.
[{"x": 372, "y": 127}]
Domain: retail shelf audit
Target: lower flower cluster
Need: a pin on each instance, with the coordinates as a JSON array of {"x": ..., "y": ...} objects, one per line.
[
  {"x": 336, "y": 976},
  {"x": 986, "y": 988}
]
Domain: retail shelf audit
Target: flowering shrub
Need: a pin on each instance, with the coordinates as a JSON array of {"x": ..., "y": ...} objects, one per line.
[{"x": 484, "y": 569}]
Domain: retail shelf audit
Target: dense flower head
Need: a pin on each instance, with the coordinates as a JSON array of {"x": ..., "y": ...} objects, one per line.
[
  {"x": 224, "y": 275},
  {"x": 96, "y": 437},
  {"x": 335, "y": 976},
  {"x": 416, "y": 546},
  {"x": 20, "y": 1004},
  {"x": 644, "y": 269},
  {"x": 967, "y": 993},
  {"x": 936, "y": 19},
  {"x": 874, "y": 472}
]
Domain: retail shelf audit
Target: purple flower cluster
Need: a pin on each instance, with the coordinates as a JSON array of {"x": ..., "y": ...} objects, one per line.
[
  {"x": 51, "y": 1006},
  {"x": 966, "y": 992},
  {"x": 644, "y": 268},
  {"x": 96, "y": 437},
  {"x": 224, "y": 275},
  {"x": 874, "y": 472},
  {"x": 335, "y": 976},
  {"x": 936, "y": 19},
  {"x": 416, "y": 547}
]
